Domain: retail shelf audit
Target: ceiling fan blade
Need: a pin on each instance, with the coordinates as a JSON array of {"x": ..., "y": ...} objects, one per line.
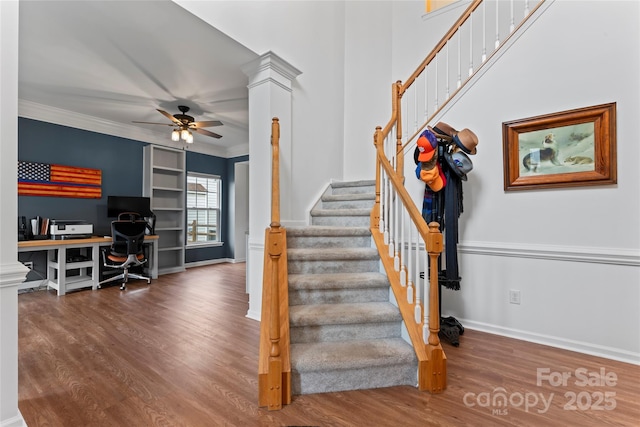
[
  {"x": 206, "y": 132},
  {"x": 170, "y": 117},
  {"x": 205, "y": 124},
  {"x": 153, "y": 123}
]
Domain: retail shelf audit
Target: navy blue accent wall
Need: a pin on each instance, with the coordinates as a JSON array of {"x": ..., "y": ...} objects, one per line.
[
  {"x": 119, "y": 159},
  {"x": 224, "y": 168}
]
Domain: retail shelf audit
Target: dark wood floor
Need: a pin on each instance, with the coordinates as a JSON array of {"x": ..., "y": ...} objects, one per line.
[{"x": 181, "y": 352}]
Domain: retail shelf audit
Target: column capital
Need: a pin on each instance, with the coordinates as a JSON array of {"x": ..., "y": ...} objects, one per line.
[{"x": 269, "y": 67}]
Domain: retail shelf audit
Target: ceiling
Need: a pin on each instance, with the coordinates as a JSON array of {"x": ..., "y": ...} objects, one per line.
[{"x": 99, "y": 65}]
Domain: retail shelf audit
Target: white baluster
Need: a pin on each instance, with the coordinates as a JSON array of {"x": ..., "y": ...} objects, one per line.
[
  {"x": 426, "y": 94},
  {"x": 415, "y": 105},
  {"x": 470, "y": 45},
  {"x": 459, "y": 62},
  {"x": 497, "y": 26},
  {"x": 396, "y": 258},
  {"x": 417, "y": 309},
  {"x": 436, "y": 85},
  {"x": 391, "y": 222},
  {"x": 426, "y": 284},
  {"x": 386, "y": 209},
  {"x": 412, "y": 279},
  {"x": 403, "y": 250},
  {"x": 381, "y": 207},
  {"x": 484, "y": 31},
  {"x": 526, "y": 8},
  {"x": 512, "y": 26},
  {"x": 446, "y": 71}
]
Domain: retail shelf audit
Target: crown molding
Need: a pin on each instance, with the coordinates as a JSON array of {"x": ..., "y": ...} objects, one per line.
[{"x": 45, "y": 113}]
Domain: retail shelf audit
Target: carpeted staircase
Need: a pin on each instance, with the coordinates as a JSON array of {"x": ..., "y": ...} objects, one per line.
[{"x": 345, "y": 334}]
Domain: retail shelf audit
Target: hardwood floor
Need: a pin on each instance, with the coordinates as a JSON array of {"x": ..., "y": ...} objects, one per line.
[{"x": 181, "y": 352}]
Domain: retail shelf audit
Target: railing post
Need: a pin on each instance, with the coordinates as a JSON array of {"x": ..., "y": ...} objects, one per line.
[
  {"x": 437, "y": 380},
  {"x": 375, "y": 212},
  {"x": 398, "y": 150},
  {"x": 275, "y": 357},
  {"x": 274, "y": 368}
]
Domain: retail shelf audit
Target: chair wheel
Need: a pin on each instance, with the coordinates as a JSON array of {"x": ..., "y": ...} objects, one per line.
[{"x": 123, "y": 287}]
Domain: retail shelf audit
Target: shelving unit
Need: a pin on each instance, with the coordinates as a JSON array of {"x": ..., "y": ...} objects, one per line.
[{"x": 164, "y": 182}]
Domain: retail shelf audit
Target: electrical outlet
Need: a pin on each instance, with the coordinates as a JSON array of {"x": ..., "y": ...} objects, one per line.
[
  {"x": 28, "y": 264},
  {"x": 514, "y": 296}
]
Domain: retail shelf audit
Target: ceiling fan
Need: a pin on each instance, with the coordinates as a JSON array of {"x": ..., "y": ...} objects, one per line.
[{"x": 183, "y": 124}]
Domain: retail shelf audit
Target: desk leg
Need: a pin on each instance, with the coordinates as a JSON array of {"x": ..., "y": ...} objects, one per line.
[
  {"x": 51, "y": 273},
  {"x": 154, "y": 260},
  {"x": 62, "y": 270},
  {"x": 95, "y": 270}
]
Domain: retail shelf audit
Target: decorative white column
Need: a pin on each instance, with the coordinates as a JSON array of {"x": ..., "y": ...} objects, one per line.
[
  {"x": 11, "y": 271},
  {"x": 270, "y": 96}
]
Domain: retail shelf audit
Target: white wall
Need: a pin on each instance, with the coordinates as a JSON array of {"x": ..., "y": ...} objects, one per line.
[
  {"x": 310, "y": 36},
  {"x": 367, "y": 89},
  {"x": 559, "y": 247}
]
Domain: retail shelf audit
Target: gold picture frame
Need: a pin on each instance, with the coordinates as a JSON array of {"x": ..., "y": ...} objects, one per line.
[{"x": 565, "y": 149}]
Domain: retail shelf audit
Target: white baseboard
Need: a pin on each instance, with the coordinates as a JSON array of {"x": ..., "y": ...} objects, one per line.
[
  {"x": 16, "y": 421},
  {"x": 577, "y": 346},
  {"x": 253, "y": 315},
  {"x": 209, "y": 262}
]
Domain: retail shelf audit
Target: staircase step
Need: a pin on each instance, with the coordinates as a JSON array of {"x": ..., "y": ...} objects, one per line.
[
  {"x": 348, "y": 201},
  {"x": 342, "y": 322},
  {"x": 352, "y": 365},
  {"x": 327, "y": 260},
  {"x": 341, "y": 217},
  {"x": 337, "y": 288},
  {"x": 328, "y": 237},
  {"x": 346, "y": 313},
  {"x": 354, "y": 187}
]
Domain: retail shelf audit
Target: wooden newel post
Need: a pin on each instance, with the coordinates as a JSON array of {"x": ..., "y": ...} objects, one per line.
[
  {"x": 437, "y": 381},
  {"x": 275, "y": 245},
  {"x": 434, "y": 248},
  {"x": 275, "y": 356}
]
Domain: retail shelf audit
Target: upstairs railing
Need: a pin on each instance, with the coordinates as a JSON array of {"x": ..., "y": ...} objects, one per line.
[
  {"x": 408, "y": 247},
  {"x": 274, "y": 366}
]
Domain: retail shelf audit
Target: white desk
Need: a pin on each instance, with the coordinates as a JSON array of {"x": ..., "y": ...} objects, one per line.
[{"x": 91, "y": 250}]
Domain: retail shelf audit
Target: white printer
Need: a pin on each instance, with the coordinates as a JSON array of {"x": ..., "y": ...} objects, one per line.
[{"x": 70, "y": 229}]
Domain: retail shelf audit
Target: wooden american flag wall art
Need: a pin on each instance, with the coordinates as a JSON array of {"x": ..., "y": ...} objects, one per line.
[{"x": 42, "y": 179}]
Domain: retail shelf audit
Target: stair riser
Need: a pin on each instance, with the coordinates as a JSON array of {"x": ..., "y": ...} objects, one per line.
[
  {"x": 369, "y": 189},
  {"x": 331, "y": 266},
  {"x": 342, "y": 221},
  {"x": 353, "y": 379},
  {"x": 344, "y": 332},
  {"x": 351, "y": 204},
  {"x": 329, "y": 242},
  {"x": 336, "y": 296}
]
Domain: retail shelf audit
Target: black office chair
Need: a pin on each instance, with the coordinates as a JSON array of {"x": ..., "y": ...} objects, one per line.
[{"x": 126, "y": 250}]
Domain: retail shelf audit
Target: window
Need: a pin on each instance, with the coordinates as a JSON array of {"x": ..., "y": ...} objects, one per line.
[{"x": 203, "y": 208}]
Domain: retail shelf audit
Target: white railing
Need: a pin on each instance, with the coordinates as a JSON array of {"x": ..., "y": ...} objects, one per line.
[{"x": 472, "y": 40}]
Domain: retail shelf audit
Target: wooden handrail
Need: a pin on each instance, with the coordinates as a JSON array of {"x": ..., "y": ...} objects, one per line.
[{"x": 274, "y": 365}]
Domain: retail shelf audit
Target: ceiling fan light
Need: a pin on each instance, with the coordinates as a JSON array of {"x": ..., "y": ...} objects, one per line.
[
  {"x": 190, "y": 138},
  {"x": 184, "y": 134},
  {"x": 175, "y": 135}
]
